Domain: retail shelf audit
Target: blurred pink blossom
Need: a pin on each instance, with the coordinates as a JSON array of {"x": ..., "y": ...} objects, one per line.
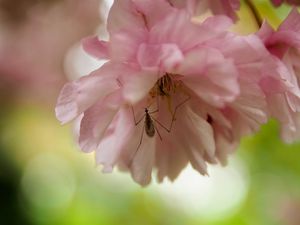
[
  {"x": 32, "y": 52},
  {"x": 284, "y": 44}
]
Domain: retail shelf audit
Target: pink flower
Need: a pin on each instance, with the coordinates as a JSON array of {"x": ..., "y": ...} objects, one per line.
[
  {"x": 284, "y": 44},
  {"x": 195, "y": 87}
]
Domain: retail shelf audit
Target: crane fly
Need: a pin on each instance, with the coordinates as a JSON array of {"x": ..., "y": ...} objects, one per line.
[{"x": 149, "y": 126}]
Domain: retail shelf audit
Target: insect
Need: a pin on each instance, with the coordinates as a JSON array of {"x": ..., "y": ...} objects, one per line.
[
  {"x": 150, "y": 122},
  {"x": 165, "y": 87},
  {"x": 149, "y": 127}
]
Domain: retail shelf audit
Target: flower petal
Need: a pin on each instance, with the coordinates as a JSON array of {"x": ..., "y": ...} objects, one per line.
[
  {"x": 95, "y": 47},
  {"x": 165, "y": 56},
  {"x": 124, "y": 44},
  {"x": 153, "y": 11},
  {"x": 178, "y": 28},
  {"x": 77, "y": 96},
  {"x": 195, "y": 135},
  {"x": 116, "y": 139},
  {"x": 292, "y": 22},
  {"x": 124, "y": 15},
  {"x": 212, "y": 77},
  {"x": 143, "y": 161},
  {"x": 136, "y": 86},
  {"x": 97, "y": 119}
]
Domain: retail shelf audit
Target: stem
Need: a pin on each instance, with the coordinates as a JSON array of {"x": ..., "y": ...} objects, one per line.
[{"x": 255, "y": 12}]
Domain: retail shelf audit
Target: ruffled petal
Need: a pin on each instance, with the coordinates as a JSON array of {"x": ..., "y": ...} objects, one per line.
[
  {"x": 79, "y": 95},
  {"x": 251, "y": 107},
  {"x": 136, "y": 86},
  {"x": 218, "y": 23},
  {"x": 143, "y": 161},
  {"x": 178, "y": 28},
  {"x": 227, "y": 7},
  {"x": 124, "y": 15},
  {"x": 292, "y": 22},
  {"x": 163, "y": 56},
  {"x": 170, "y": 156},
  {"x": 116, "y": 139},
  {"x": 170, "y": 159},
  {"x": 125, "y": 44},
  {"x": 242, "y": 49},
  {"x": 212, "y": 77},
  {"x": 265, "y": 31},
  {"x": 97, "y": 119},
  {"x": 153, "y": 11},
  {"x": 95, "y": 47},
  {"x": 195, "y": 135}
]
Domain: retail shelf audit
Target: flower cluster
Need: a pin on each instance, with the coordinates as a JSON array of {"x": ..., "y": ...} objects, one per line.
[{"x": 176, "y": 91}]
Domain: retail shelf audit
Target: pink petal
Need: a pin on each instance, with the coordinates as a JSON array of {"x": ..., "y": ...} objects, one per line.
[
  {"x": 223, "y": 148},
  {"x": 210, "y": 76},
  {"x": 204, "y": 131},
  {"x": 265, "y": 31},
  {"x": 287, "y": 38},
  {"x": 292, "y": 22},
  {"x": 125, "y": 43},
  {"x": 170, "y": 155},
  {"x": 178, "y": 28},
  {"x": 170, "y": 159},
  {"x": 143, "y": 162},
  {"x": 280, "y": 109},
  {"x": 97, "y": 119},
  {"x": 165, "y": 56},
  {"x": 116, "y": 139},
  {"x": 95, "y": 47},
  {"x": 226, "y": 7},
  {"x": 77, "y": 96},
  {"x": 242, "y": 49},
  {"x": 218, "y": 23},
  {"x": 153, "y": 11},
  {"x": 124, "y": 15},
  {"x": 136, "y": 86},
  {"x": 251, "y": 106},
  {"x": 195, "y": 136}
]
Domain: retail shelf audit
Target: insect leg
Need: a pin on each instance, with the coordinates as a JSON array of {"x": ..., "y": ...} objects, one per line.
[
  {"x": 155, "y": 111},
  {"x": 136, "y": 122},
  {"x": 158, "y": 133},
  {"x": 173, "y": 116},
  {"x": 179, "y": 105},
  {"x": 140, "y": 143}
]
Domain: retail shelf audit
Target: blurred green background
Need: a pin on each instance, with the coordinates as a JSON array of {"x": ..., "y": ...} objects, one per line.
[{"x": 45, "y": 179}]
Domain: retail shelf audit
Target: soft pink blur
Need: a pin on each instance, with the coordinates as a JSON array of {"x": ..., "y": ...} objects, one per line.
[
  {"x": 32, "y": 52},
  {"x": 284, "y": 44}
]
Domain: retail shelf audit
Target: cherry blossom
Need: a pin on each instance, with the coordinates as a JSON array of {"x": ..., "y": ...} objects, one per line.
[
  {"x": 284, "y": 45},
  {"x": 173, "y": 91}
]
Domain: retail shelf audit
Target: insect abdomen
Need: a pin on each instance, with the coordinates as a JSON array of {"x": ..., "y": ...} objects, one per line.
[{"x": 149, "y": 126}]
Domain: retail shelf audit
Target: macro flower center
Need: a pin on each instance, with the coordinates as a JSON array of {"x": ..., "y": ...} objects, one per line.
[
  {"x": 165, "y": 86},
  {"x": 171, "y": 90}
]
